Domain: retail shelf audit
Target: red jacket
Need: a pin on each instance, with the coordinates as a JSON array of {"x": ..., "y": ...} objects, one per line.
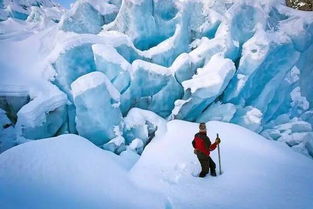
[{"x": 203, "y": 144}]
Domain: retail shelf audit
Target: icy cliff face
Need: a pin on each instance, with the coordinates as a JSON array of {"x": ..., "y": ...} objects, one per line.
[{"x": 246, "y": 62}]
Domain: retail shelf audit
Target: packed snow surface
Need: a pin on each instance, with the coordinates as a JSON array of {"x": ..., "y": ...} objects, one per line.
[
  {"x": 70, "y": 172},
  {"x": 256, "y": 172}
]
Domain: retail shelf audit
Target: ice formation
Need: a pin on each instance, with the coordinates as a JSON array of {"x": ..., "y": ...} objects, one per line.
[
  {"x": 97, "y": 107},
  {"x": 30, "y": 10},
  {"x": 246, "y": 62}
]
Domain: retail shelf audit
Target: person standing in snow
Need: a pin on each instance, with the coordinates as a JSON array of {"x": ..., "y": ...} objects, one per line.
[{"x": 203, "y": 146}]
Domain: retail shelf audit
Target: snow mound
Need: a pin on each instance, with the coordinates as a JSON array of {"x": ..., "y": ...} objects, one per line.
[
  {"x": 68, "y": 171},
  {"x": 256, "y": 172}
]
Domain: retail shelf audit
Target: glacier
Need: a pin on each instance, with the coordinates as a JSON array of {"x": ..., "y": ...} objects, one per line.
[{"x": 92, "y": 69}]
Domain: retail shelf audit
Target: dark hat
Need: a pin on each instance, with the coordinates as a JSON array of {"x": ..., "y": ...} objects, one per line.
[{"x": 202, "y": 126}]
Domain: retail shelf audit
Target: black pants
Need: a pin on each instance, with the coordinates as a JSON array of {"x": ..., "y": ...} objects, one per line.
[{"x": 206, "y": 164}]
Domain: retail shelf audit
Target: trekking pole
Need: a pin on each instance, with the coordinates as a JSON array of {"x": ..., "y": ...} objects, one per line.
[{"x": 219, "y": 157}]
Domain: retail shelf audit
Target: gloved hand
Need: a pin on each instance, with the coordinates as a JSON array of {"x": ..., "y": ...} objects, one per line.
[{"x": 217, "y": 140}]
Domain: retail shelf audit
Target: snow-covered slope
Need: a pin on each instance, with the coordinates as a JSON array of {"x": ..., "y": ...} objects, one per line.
[
  {"x": 70, "y": 172},
  {"x": 246, "y": 62},
  {"x": 256, "y": 173}
]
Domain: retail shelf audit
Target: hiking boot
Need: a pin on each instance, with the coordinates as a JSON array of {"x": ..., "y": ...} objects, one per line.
[
  {"x": 202, "y": 175},
  {"x": 213, "y": 173}
]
